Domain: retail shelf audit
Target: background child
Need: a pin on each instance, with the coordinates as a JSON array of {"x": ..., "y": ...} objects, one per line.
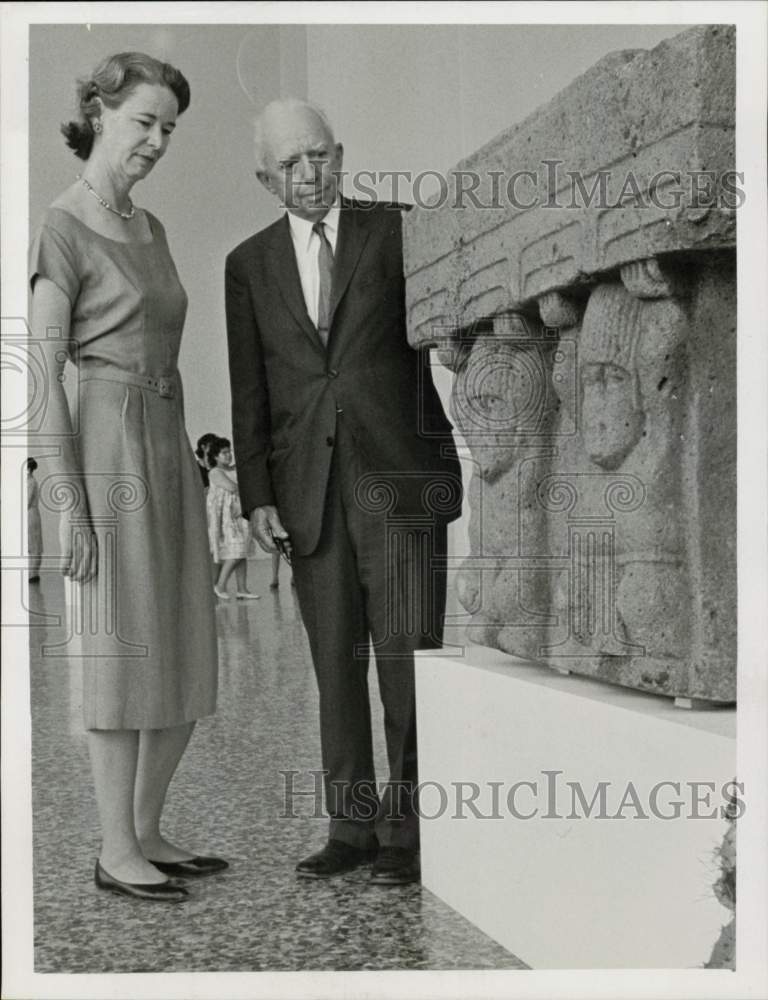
[
  {"x": 228, "y": 531},
  {"x": 34, "y": 524}
]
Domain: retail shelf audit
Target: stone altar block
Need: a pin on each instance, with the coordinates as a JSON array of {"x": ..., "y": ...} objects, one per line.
[{"x": 583, "y": 294}]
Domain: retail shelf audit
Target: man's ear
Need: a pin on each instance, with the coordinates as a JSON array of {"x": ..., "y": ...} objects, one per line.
[{"x": 339, "y": 148}]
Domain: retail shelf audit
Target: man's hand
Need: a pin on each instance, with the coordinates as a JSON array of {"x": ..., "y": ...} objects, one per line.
[{"x": 266, "y": 526}]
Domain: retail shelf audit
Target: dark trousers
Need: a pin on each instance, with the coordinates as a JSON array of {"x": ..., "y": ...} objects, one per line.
[{"x": 371, "y": 580}]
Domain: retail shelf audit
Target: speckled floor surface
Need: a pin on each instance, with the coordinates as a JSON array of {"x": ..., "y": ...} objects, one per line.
[{"x": 226, "y": 799}]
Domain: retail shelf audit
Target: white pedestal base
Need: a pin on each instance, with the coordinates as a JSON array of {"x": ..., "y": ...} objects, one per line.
[{"x": 561, "y": 890}]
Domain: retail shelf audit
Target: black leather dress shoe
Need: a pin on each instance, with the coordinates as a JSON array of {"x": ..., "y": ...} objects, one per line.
[
  {"x": 395, "y": 866},
  {"x": 169, "y": 891},
  {"x": 336, "y": 857},
  {"x": 192, "y": 867}
]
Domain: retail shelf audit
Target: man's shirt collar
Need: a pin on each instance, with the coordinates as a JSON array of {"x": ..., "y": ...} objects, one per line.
[{"x": 301, "y": 229}]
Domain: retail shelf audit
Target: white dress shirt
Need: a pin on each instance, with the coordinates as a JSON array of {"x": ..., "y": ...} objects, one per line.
[{"x": 306, "y": 245}]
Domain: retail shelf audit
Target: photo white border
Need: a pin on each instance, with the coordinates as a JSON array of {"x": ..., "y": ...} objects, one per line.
[{"x": 751, "y": 978}]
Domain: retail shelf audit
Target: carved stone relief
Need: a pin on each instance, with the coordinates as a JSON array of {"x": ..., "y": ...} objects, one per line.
[{"x": 596, "y": 393}]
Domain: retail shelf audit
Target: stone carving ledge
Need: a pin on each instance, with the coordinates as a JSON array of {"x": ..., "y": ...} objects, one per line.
[{"x": 593, "y": 346}]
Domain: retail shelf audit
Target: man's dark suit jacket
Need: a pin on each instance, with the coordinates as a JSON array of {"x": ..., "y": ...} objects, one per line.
[{"x": 288, "y": 389}]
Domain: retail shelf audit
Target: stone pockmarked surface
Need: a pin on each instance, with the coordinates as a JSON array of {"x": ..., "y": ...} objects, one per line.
[{"x": 591, "y": 329}]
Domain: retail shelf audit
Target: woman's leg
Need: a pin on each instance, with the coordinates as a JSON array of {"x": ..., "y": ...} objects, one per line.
[
  {"x": 225, "y": 572},
  {"x": 241, "y": 576},
  {"x": 114, "y": 755},
  {"x": 160, "y": 751}
]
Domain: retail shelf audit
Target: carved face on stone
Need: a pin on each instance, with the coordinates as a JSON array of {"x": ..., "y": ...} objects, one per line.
[
  {"x": 611, "y": 413},
  {"x": 501, "y": 395}
]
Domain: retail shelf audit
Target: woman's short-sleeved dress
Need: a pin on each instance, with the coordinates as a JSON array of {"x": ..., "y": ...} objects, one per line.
[
  {"x": 229, "y": 533},
  {"x": 145, "y": 626}
]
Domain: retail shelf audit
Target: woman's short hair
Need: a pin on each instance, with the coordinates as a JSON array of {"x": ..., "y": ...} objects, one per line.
[
  {"x": 112, "y": 82},
  {"x": 31, "y": 465},
  {"x": 217, "y": 447},
  {"x": 204, "y": 444}
]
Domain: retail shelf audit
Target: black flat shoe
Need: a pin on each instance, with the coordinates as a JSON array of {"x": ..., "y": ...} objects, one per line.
[
  {"x": 336, "y": 857},
  {"x": 192, "y": 867},
  {"x": 159, "y": 892},
  {"x": 395, "y": 866}
]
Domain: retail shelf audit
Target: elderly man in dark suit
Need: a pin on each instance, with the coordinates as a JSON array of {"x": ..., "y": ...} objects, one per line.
[{"x": 345, "y": 458}]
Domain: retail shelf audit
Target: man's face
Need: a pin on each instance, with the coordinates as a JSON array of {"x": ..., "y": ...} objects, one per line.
[{"x": 301, "y": 164}]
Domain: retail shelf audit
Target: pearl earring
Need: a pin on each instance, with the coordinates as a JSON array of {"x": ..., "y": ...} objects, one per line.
[{"x": 97, "y": 126}]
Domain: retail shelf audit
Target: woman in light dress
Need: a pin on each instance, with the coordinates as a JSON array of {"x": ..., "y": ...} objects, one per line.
[
  {"x": 34, "y": 524},
  {"x": 228, "y": 531},
  {"x": 132, "y": 528}
]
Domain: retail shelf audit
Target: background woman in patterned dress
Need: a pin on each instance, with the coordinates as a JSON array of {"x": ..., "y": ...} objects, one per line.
[
  {"x": 34, "y": 524},
  {"x": 228, "y": 531}
]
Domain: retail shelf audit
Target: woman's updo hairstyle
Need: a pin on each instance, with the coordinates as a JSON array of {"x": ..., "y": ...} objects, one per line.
[{"x": 112, "y": 82}]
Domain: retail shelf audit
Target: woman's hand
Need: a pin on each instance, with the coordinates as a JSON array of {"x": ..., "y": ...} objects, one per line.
[{"x": 79, "y": 549}]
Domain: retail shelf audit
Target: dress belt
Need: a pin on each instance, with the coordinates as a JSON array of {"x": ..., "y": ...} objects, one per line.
[{"x": 164, "y": 385}]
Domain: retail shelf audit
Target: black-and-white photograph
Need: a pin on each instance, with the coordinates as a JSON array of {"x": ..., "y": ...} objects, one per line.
[{"x": 384, "y": 500}]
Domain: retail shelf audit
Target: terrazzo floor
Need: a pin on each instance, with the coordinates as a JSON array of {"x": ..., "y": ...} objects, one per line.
[{"x": 227, "y": 799}]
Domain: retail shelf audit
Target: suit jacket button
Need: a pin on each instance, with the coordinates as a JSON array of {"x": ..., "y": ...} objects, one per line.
[
  {"x": 332, "y": 373},
  {"x": 329, "y": 441}
]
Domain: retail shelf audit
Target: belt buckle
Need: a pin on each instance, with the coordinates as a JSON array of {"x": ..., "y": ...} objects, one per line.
[{"x": 165, "y": 388}]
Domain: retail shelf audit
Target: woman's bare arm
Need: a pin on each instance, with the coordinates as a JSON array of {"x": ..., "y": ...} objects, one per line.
[
  {"x": 51, "y": 311},
  {"x": 224, "y": 479}
]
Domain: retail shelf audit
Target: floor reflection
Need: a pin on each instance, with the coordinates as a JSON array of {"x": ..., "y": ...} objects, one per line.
[{"x": 227, "y": 798}]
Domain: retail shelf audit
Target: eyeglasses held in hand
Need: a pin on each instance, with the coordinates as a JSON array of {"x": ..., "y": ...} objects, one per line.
[{"x": 283, "y": 547}]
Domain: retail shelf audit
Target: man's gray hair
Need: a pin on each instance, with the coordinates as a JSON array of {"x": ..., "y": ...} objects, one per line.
[{"x": 272, "y": 110}]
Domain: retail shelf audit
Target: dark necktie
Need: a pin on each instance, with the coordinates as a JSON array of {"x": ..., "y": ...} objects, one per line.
[{"x": 325, "y": 272}]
